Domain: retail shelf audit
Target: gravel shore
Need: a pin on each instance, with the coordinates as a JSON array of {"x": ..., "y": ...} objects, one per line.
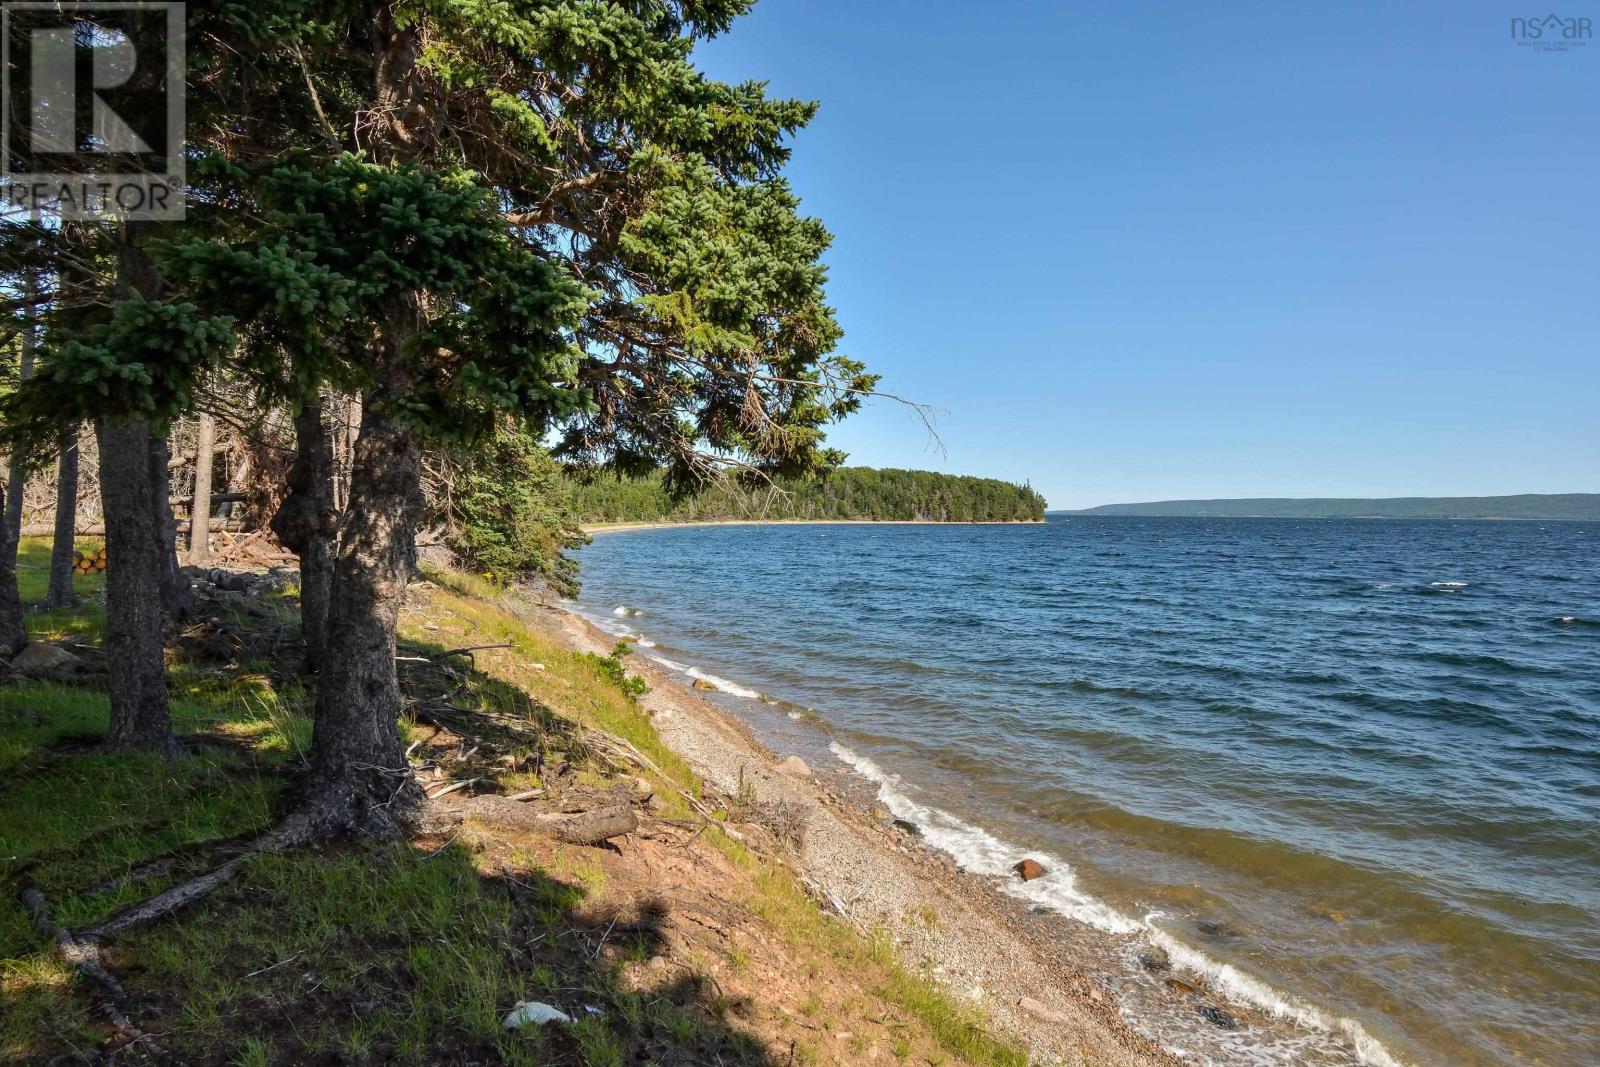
[{"x": 881, "y": 879}]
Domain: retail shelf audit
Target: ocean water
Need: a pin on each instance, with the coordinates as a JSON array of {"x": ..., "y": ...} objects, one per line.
[{"x": 1347, "y": 772}]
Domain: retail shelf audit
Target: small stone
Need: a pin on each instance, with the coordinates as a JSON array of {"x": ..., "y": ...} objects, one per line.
[
  {"x": 704, "y": 686},
  {"x": 794, "y": 767},
  {"x": 1217, "y": 1017},
  {"x": 1155, "y": 961},
  {"x": 1030, "y": 869}
]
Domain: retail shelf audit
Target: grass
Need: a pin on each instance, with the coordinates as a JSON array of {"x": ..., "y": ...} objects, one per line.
[{"x": 400, "y": 953}]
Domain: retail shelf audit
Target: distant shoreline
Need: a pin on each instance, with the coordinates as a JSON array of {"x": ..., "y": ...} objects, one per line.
[
  {"x": 1094, "y": 514},
  {"x": 623, "y": 527},
  {"x": 1517, "y": 507}
]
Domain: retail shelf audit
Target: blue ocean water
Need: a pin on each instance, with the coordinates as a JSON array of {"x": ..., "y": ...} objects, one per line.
[{"x": 1354, "y": 764}]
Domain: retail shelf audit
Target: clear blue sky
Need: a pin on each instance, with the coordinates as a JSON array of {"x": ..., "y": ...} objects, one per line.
[{"x": 1142, "y": 251}]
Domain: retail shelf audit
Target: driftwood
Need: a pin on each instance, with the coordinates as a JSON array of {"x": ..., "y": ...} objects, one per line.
[{"x": 583, "y": 828}]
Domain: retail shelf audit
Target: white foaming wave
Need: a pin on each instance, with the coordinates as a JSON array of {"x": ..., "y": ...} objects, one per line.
[
  {"x": 982, "y": 853},
  {"x": 625, "y": 611},
  {"x": 732, "y": 688},
  {"x": 1448, "y": 585},
  {"x": 645, "y": 642}
]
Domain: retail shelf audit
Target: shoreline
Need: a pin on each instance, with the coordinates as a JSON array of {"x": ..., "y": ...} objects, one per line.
[
  {"x": 984, "y": 947},
  {"x": 1050, "y": 976},
  {"x": 624, "y": 527}
]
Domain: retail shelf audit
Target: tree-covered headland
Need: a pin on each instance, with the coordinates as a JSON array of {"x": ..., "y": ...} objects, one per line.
[{"x": 845, "y": 493}]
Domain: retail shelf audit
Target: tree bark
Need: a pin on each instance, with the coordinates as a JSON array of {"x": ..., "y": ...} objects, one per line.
[
  {"x": 133, "y": 496},
  {"x": 13, "y": 635},
  {"x": 135, "y": 544},
  {"x": 307, "y": 524},
  {"x": 200, "y": 505},
  {"x": 18, "y": 479},
  {"x": 177, "y": 595},
  {"x": 360, "y": 780},
  {"x": 60, "y": 594}
]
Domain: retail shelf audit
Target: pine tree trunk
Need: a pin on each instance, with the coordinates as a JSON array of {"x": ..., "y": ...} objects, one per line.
[
  {"x": 177, "y": 595},
  {"x": 307, "y": 524},
  {"x": 18, "y": 481},
  {"x": 360, "y": 780},
  {"x": 200, "y": 503},
  {"x": 13, "y": 635},
  {"x": 60, "y": 594},
  {"x": 135, "y": 544}
]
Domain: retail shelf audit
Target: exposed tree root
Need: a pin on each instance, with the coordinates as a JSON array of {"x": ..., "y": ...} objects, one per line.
[
  {"x": 291, "y": 832},
  {"x": 84, "y": 956}
]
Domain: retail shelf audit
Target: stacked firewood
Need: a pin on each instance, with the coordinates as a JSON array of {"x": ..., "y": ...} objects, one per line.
[{"x": 89, "y": 563}]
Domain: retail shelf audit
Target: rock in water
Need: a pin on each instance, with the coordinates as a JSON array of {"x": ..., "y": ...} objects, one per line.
[
  {"x": 1155, "y": 961},
  {"x": 908, "y": 826},
  {"x": 1178, "y": 985},
  {"x": 702, "y": 684},
  {"x": 1217, "y": 1017},
  {"x": 1030, "y": 869},
  {"x": 43, "y": 660},
  {"x": 794, "y": 767}
]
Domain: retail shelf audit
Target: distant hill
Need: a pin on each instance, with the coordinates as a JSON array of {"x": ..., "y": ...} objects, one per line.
[
  {"x": 1545, "y": 506},
  {"x": 849, "y": 493}
]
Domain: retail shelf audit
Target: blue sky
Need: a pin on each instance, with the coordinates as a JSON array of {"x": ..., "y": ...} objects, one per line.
[{"x": 1141, "y": 251}]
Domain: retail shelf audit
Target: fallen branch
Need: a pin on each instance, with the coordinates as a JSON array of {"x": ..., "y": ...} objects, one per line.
[
  {"x": 468, "y": 650},
  {"x": 583, "y": 828},
  {"x": 452, "y": 787}
]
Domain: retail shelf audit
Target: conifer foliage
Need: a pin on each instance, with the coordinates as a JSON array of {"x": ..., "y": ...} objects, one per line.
[{"x": 490, "y": 222}]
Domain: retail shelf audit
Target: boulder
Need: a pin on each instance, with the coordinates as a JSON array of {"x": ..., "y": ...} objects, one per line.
[
  {"x": 704, "y": 686},
  {"x": 1178, "y": 985},
  {"x": 1030, "y": 869},
  {"x": 42, "y": 660},
  {"x": 1217, "y": 1017},
  {"x": 794, "y": 767},
  {"x": 907, "y": 826}
]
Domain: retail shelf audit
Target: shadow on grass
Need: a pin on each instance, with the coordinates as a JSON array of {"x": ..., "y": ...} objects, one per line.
[
  {"x": 379, "y": 955},
  {"x": 359, "y": 954}
]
